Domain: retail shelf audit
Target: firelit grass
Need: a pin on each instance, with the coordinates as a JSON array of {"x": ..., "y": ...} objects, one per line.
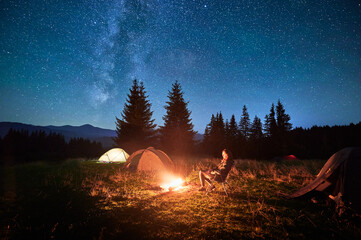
[{"x": 87, "y": 200}]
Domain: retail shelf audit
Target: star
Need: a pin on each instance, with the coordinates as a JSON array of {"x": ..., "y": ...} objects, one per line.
[{"x": 81, "y": 57}]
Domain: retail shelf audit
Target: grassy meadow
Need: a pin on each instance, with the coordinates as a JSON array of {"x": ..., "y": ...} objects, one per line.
[{"x": 78, "y": 199}]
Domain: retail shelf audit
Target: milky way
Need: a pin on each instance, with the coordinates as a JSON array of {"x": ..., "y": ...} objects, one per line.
[{"x": 72, "y": 62}]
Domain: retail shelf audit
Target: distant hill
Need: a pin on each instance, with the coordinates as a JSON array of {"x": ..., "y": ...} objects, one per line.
[
  {"x": 85, "y": 131},
  {"x": 198, "y": 137}
]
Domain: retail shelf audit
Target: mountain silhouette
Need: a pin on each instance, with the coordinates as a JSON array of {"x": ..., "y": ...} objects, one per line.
[{"x": 86, "y": 131}]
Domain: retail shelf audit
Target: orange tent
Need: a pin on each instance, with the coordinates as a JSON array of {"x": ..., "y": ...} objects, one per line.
[{"x": 149, "y": 159}]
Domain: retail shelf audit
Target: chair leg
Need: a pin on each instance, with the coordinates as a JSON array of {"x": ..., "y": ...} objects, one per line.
[
  {"x": 229, "y": 186},
  {"x": 224, "y": 187},
  {"x": 210, "y": 186}
]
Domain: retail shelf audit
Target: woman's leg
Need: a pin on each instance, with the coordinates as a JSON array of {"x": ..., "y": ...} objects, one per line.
[{"x": 204, "y": 176}]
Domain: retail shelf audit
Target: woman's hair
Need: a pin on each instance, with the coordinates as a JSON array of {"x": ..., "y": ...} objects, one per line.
[{"x": 229, "y": 153}]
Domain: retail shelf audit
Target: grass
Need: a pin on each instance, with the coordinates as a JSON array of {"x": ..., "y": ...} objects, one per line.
[{"x": 84, "y": 199}]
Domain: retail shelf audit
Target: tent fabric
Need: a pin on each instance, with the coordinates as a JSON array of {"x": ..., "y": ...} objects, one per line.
[
  {"x": 340, "y": 176},
  {"x": 114, "y": 155},
  {"x": 290, "y": 157},
  {"x": 352, "y": 184},
  {"x": 149, "y": 159}
]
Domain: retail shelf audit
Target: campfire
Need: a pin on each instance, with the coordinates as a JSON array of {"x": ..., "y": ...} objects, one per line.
[{"x": 174, "y": 185}]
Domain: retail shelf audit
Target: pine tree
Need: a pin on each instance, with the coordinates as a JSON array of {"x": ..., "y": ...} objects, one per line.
[
  {"x": 233, "y": 128},
  {"x": 232, "y": 137},
  {"x": 283, "y": 127},
  {"x": 220, "y": 129},
  {"x": 256, "y": 139},
  {"x": 283, "y": 119},
  {"x": 146, "y": 121},
  {"x": 244, "y": 124},
  {"x": 207, "y": 131},
  {"x": 226, "y": 132},
  {"x": 207, "y": 140},
  {"x": 136, "y": 129},
  {"x": 214, "y": 140},
  {"x": 177, "y": 133},
  {"x": 270, "y": 123},
  {"x": 227, "y": 135},
  {"x": 256, "y": 128}
]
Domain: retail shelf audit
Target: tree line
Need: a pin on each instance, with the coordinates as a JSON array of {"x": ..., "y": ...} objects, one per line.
[
  {"x": 136, "y": 129},
  {"x": 246, "y": 139},
  {"x": 322, "y": 142},
  {"x": 20, "y": 146},
  {"x": 276, "y": 138}
]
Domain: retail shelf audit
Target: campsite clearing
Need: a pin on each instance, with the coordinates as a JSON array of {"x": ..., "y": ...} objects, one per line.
[{"x": 90, "y": 200}]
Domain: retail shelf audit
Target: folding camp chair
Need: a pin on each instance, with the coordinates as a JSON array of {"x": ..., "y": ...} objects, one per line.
[{"x": 219, "y": 180}]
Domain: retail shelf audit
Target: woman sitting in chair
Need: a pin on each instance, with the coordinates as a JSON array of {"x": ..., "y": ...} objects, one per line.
[{"x": 220, "y": 173}]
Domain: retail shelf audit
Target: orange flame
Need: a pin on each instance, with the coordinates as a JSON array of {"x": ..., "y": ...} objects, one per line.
[{"x": 174, "y": 185}]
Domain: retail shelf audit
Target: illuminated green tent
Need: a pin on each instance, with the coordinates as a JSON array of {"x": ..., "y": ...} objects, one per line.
[{"x": 114, "y": 155}]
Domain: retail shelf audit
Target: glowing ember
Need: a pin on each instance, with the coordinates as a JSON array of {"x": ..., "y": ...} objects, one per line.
[{"x": 174, "y": 185}]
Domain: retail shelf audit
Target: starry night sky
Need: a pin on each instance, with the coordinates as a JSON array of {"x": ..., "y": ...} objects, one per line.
[{"x": 73, "y": 62}]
